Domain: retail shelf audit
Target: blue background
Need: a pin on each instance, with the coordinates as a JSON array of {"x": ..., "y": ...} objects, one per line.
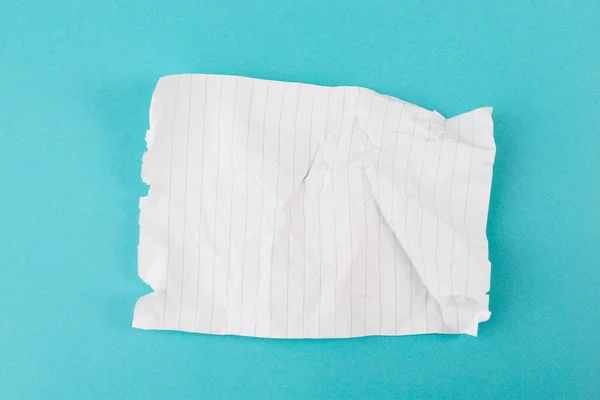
[{"x": 76, "y": 79}]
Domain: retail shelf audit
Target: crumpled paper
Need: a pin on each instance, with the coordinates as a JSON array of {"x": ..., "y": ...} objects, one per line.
[{"x": 288, "y": 210}]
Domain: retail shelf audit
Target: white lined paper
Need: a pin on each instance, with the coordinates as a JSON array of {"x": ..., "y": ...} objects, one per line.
[{"x": 290, "y": 210}]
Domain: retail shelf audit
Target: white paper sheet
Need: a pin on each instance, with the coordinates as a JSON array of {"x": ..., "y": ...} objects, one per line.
[{"x": 289, "y": 210}]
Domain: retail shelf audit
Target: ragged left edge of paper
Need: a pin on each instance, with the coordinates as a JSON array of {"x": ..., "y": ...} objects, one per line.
[{"x": 152, "y": 252}]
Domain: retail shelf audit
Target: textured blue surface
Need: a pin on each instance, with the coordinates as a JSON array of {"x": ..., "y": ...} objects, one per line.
[{"x": 75, "y": 84}]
